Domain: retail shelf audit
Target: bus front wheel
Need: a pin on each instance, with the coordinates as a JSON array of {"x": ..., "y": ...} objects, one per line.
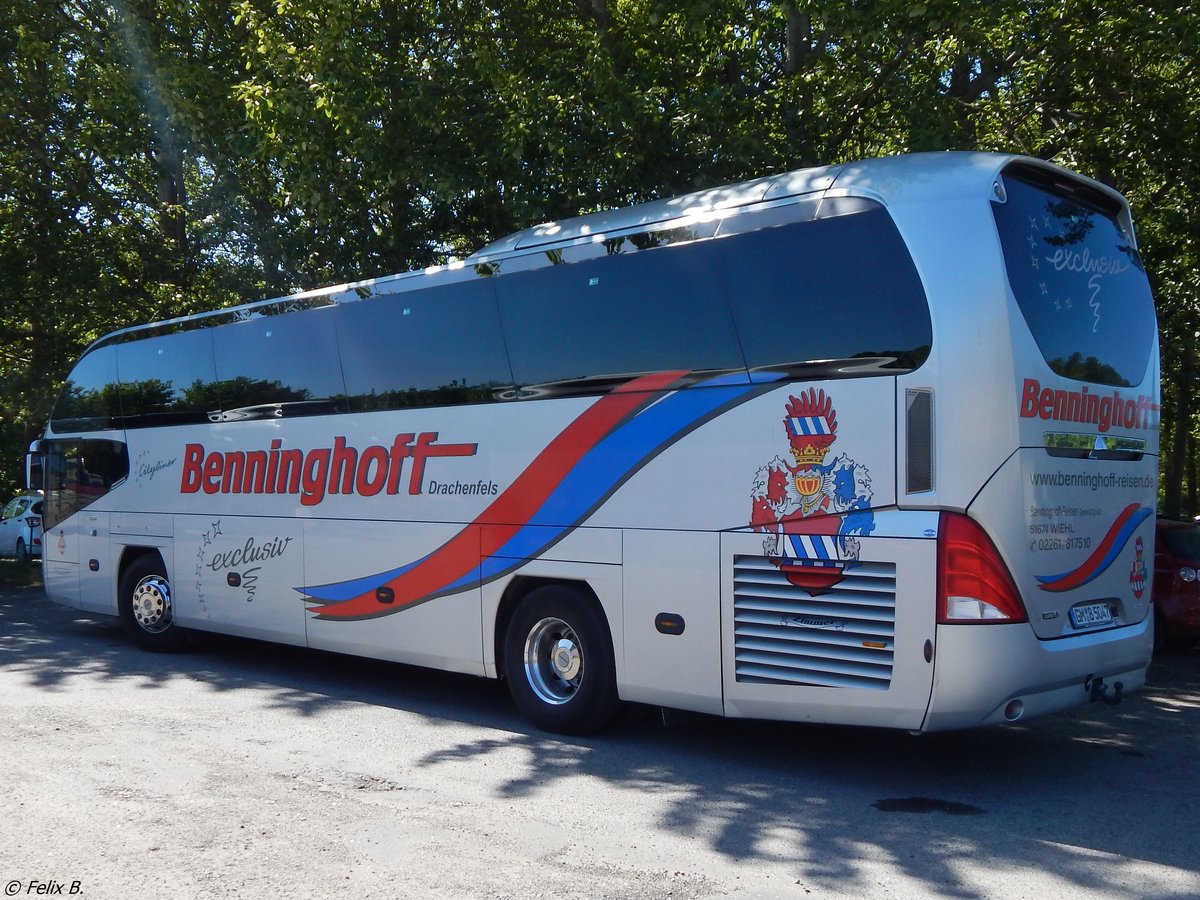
[
  {"x": 558, "y": 661},
  {"x": 145, "y": 606}
]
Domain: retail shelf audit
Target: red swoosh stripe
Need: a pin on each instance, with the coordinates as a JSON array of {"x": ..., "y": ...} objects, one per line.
[
  {"x": 1098, "y": 560},
  {"x": 512, "y": 509}
]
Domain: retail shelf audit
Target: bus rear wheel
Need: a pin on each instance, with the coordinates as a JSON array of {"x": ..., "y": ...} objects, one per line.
[
  {"x": 145, "y": 606},
  {"x": 558, "y": 661}
]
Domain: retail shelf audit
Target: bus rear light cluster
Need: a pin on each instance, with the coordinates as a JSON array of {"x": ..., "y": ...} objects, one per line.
[{"x": 974, "y": 585}]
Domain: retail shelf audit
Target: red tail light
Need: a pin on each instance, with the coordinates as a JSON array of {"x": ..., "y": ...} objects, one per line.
[
  {"x": 34, "y": 521},
  {"x": 973, "y": 583}
]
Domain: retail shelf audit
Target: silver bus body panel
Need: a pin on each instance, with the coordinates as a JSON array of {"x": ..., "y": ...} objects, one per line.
[{"x": 676, "y": 536}]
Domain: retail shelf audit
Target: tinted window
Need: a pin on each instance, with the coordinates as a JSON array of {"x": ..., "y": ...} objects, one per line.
[
  {"x": 834, "y": 296},
  {"x": 1079, "y": 283},
  {"x": 90, "y": 399},
  {"x": 1183, "y": 542},
  {"x": 586, "y": 325},
  {"x": 423, "y": 348},
  {"x": 79, "y": 473},
  {"x": 167, "y": 379},
  {"x": 273, "y": 365}
]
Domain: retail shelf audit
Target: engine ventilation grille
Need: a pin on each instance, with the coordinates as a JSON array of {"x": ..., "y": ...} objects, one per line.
[{"x": 843, "y": 638}]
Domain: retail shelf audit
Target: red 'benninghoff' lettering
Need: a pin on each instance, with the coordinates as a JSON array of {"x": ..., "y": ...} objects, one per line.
[
  {"x": 1102, "y": 410},
  {"x": 313, "y": 474}
]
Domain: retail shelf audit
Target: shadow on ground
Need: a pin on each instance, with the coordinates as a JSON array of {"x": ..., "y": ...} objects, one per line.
[{"x": 1057, "y": 794}]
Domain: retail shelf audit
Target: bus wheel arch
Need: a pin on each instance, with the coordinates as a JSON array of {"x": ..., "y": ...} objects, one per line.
[
  {"x": 144, "y": 601},
  {"x": 556, "y": 653}
]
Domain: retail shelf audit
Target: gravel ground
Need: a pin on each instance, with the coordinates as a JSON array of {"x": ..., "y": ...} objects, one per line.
[{"x": 241, "y": 769}]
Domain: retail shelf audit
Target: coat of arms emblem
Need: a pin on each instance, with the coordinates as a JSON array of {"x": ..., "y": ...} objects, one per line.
[{"x": 809, "y": 511}]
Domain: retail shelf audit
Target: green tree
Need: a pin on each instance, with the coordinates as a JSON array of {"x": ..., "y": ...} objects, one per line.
[{"x": 159, "y": 157}]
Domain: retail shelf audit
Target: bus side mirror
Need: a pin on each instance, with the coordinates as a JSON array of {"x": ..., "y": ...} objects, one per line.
[{"x": 33, "y": 472}]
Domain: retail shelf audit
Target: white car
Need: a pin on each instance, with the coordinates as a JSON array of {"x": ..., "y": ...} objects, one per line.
[{"x": 21, "y": 527}]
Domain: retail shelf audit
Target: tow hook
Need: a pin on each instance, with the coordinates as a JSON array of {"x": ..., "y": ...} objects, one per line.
[{"x": 1098, "y": 690}]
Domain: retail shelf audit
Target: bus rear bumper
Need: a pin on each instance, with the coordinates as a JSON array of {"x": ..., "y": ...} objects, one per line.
[{"x": 992, "y": 674}]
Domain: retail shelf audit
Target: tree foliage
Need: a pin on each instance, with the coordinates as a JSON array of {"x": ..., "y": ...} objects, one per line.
[{"x": 159, "y": 157}]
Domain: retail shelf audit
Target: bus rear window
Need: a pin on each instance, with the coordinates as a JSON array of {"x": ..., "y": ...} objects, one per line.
[{"x": 1079, "y": 283}]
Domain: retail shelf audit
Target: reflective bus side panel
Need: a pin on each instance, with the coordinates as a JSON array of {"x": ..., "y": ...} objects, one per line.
[{"x": 873, "y": 444}]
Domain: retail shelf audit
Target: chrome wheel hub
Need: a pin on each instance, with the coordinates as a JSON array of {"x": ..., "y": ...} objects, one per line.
[
  {"x": 553, "y": 661},
  {"x": 566, "y": 660},
  {"x": 152, "y": 604}
]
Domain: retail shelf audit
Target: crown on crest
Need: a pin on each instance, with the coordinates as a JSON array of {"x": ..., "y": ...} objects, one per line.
[{"x": 811, "y": 426}]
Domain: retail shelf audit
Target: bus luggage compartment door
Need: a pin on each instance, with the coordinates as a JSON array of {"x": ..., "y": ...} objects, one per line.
[
  {"x": 97, "y": 577},
  {"x": 823, "y": 633},
  {"x": 402, "y": 591},
  {"x": 238, "y": 575}
]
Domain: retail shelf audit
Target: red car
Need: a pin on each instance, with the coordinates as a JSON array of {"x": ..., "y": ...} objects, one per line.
[{"x": 1176, "y": 584}]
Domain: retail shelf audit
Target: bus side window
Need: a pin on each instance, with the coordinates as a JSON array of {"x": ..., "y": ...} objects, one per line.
[
  {"x": 80, "y": 472},
  {"x": 588, "y": 326},
  {"x": 286, "y": 362},
  {"x": 167, "y": 379},
  {"x": 811, "y": 298},
  {"x": 437, "y": 347}
]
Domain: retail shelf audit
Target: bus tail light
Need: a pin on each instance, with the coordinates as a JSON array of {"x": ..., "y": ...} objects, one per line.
[{"x": 973, "y": 583}]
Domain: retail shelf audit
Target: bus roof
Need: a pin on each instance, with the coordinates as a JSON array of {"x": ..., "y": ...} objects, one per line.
[
  {"x": 671, "y": 209},
  {"x": 885, "y": 179}
]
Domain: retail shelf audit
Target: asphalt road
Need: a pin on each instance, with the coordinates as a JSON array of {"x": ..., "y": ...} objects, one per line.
[{"x": 242, "y": 769}]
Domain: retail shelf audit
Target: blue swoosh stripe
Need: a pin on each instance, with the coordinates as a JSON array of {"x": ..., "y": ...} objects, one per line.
[{"x": 603, "y": 468}]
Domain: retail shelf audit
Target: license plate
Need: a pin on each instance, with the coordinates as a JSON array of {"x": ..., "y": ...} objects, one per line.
[{"x": 1091, "y": 615}]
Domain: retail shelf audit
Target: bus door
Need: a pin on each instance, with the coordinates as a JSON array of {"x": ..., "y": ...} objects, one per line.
[
  {"x": 79, "y": 473},
  {"x": 815, "y": 631},
  {"x": 60, "y": 540}
]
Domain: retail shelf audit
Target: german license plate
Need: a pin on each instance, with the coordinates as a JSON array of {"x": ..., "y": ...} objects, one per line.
[{"x": 1091, "y": 615}]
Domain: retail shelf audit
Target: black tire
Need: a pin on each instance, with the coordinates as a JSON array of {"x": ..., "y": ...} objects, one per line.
[
  {"x": 145, "y": 606},
  {"x": 22, "y": 552},
  {"x": 558, "y": 660}
]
